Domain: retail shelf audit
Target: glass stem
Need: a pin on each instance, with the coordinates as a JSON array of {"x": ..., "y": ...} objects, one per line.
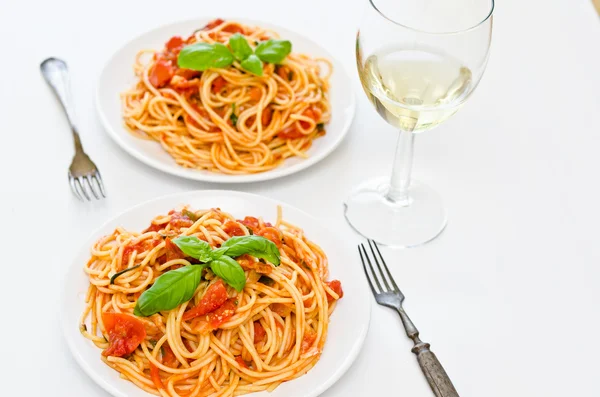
[{"x": 400, "y": 182}]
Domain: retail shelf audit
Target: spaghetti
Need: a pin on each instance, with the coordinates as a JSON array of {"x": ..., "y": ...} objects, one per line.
[
  {"x": 228, "y": 120},
  {"x": 221, "y": 342}
]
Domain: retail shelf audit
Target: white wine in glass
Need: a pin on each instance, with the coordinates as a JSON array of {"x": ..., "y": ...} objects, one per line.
[
  {"x": 414, "y": 90},
  {"x": 418, "y": 62}
]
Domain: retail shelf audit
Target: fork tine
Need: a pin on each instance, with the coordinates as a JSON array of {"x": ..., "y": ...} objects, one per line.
[
  {"x": 74, "y": 188},
  {"x": 366, "y": 272},
  {"x": 371, "y": 267},
  {"x": 386, "y": 268},
  {"x": 80, "y": 186},
  {"x": 98, "y": 178},
  {"x": 387, "y": 286},
  {"x": 91, "y": 187}
]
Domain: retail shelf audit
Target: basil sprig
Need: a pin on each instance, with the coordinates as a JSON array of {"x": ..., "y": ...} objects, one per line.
[
  {"x": 178, "y": 286},
  {"x": 202, "y": 56}
]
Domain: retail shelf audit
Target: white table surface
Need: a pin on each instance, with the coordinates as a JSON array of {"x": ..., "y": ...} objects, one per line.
[{"x": 507, "y": 296}]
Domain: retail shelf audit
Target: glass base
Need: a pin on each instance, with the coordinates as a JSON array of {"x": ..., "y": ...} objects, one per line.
[{"x": 414, "y": 222}]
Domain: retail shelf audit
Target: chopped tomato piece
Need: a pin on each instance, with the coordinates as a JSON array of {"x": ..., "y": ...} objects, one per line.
[
  {"x": 143, "y": 245},
  {"x": 188, "y": 74},
  {"x": 155, "y": 376},
  {"x": 214, "y": 297},
  {"x": 200, "y": 110},
  {"x": 267, "y": 115},
  {"x": 307, "y": 302},
  {"x": 218, "y": 84},
  {"x": 233, "y": 229},
  {"x": 215, "y": 319},
  {"x": 290, "y": 132},
  {"x": 283, "y": 72},
  {"x": 125, "y": 333},
  {"x": 250, "y": 121},
  {"x": 310, "y": 336},
  {"x": 255, "y": 94},
  {"x": 168, "y": 357},
  {"x": 241, "y": 362},
  {"x": 172, "y": 251},
  {"x": 336, "y": 286},
  {"x": 272, "y": 234},
  {"x": 126, "y": 255},
  {"x": 251, "y": 223},
  {"x": 154, "y": 227},
  {"x": 309, "y": 112},
  {"x": 213, "y": 24},
  {"x": 259, "y": 332},
  {"x": 233, "y": 29},
  {"x": 188, "y": 345},
  {"x": 248, "y": 263},
  {"x": 174, "y": 43},
  {"x": 161, "y": 73},
  {"x": 179, "y": 220},
  {"x": 281, "y": 309}
]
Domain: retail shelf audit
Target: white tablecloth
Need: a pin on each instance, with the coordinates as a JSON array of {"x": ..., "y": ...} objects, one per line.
[{"x": 507, "y": 296}]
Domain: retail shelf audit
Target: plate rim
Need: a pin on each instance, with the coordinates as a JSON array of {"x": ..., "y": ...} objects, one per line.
[
  {"x": 197, "y": 175},
  {"x": 73, "y": 266}
]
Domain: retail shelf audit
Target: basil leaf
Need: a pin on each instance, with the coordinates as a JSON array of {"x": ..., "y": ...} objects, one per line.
[
  {"x": 194, "y": 247},
  {"x": 230, "y": 271},
  {"x": 273, "y": 51},
  {"x": 202, "y": 56},
  {"x": 253, "y": 64},
  {"x": 256, "y": 246},
  {"x": 240, "y": 47},
  {"x": 169, "y": 291}
]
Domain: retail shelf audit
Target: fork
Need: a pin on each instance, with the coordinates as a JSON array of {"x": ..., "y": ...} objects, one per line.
[
  {"x": 83, "y": 173},
  {"x": 388, "y": 294}
]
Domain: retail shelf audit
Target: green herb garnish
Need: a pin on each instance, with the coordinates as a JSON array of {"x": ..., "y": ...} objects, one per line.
[
  {"x": 253, "y": 64},
  {"x": 233, "y": 117},
  {"x": 240, "y": 47},
  {"x": 202, "y": 56},
  {"x": 273, "y": 51},
  {"x": 266, "y": 281},
  {"x": 192, "y": 215},
  {"x": 178, "y": 286},
  {"x": 169, "y": 290},
  {"x": 114, "y": 277}
]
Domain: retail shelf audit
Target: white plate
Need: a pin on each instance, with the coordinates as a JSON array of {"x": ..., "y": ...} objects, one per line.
[
  {"x": 118, "y": 76},
  {"x": 347, "y": 328}
]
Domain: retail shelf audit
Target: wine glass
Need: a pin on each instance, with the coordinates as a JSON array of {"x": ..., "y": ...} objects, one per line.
[{"x": 418, "y": 62}]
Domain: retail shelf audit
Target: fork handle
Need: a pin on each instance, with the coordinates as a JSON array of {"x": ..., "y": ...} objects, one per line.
[
  {"x": 56, "y": 74},
  {"x": 434, "y": 372}
]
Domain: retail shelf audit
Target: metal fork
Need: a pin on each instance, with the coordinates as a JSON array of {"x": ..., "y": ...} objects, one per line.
[
  {"x": 83, "y": 173},
  {"x": 388, "y": 294}
]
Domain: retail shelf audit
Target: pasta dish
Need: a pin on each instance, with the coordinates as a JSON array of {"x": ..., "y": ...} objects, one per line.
[
  {"x": 202, "y": 304},
  {"x": 229, "y": 98}
]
